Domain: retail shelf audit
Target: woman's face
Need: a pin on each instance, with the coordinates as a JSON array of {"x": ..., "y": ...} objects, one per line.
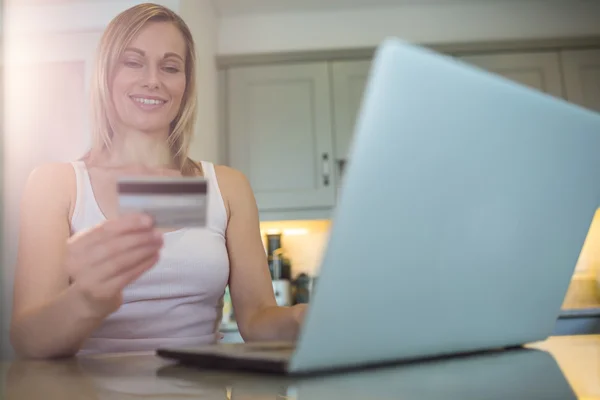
[{"x": 149, "y": 80}]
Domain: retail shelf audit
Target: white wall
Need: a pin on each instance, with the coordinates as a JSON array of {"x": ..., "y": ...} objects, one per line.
[
  {"x": 73, "y": 16},
  {"x": 201, "y": 17},
  {"x": 45, "y": 107},
  {"x": 441, "y": 23}
]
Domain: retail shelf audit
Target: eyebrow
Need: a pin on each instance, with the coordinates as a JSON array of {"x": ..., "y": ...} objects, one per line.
[{"x": 166, "y": 55}]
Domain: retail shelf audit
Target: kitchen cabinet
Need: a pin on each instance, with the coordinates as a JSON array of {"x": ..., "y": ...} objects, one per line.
[
  {"x": 582, "y": 77},
  {"x": 581, "y": 70},
  {"x": 290, "y": 125},
  {"x": 537, "y": 70},
  {"x": 280, "y": 134},
  {"x": 349, "y": 79}
]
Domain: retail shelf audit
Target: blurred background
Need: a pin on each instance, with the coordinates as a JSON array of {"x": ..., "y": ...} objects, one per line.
[{"x": 280, "y": 83}]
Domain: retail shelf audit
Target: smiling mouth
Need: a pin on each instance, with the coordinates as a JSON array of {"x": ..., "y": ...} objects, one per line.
[{"x": 146, "y": 101}]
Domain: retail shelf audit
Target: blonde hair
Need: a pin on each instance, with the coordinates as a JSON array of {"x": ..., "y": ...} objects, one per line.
[{"x": 119, "y": 33}]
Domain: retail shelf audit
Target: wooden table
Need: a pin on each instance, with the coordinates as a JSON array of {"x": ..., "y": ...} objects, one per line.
[{"x": 566, "y": 367}]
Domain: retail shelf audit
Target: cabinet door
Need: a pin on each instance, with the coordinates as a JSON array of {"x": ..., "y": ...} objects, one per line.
[
  {"x": 349, "y": 79},
  {"x": 537, "y": 70},
  {"x": 280, "y": 134},
  {"x": 582, "y": 77},
  {"x": 582, "y": 85}
]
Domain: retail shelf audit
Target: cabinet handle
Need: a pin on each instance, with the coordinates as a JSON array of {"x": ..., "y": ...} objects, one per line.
[
  {"x": 325, "y": 169},
  {"x": 341, "y": 166}
]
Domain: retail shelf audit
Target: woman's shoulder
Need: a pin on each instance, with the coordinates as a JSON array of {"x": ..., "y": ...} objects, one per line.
[
  {"x": 233, "y": 184},
  {"x": 51, "y": 183},
  {"x": 234, "y": 188},
  {"x": 54, "y": 173},
  {"x": 224, "y": 173},
  {"x": 231, "y": 178}
]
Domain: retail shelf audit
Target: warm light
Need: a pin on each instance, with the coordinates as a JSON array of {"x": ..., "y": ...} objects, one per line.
[
  {"x": 295, "y": 232},
  {"x": 287, "y": 231}
]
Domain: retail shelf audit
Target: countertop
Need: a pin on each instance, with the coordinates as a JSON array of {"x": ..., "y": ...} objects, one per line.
[{"x": 565, "y": 367}]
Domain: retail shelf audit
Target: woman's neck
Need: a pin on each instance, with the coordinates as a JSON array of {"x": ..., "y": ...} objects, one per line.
[{"x": 140, "y": 150}]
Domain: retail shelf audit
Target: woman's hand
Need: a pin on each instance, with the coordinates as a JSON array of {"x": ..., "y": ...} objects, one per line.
[{"x": 103, "y": 260}]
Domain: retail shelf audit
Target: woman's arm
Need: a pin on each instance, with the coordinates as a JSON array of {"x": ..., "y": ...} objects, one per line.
[
  {"x": 51, "y": 315},
  {"x": 48, "y": 317},
  {"x": 257, "y": 313}
]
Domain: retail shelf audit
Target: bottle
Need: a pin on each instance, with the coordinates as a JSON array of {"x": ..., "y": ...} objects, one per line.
[
  {"x": 302, "y": 288},
  {"x": 277, "y": 259}
]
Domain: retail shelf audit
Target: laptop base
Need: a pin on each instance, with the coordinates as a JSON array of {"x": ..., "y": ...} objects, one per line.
[{"x": 263, "y": 362}]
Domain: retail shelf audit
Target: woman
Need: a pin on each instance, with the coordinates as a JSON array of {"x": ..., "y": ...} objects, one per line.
[{"x": 90, "y": 280}]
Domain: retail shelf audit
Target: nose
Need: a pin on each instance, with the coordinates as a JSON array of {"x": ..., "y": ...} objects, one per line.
[{"x": 151, "y": 79}]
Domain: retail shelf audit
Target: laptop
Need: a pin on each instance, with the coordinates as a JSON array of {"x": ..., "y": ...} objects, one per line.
[{"x": 464, "y": 208}]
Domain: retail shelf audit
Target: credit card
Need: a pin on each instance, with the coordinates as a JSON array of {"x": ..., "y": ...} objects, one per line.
[{"x": 171, "y": 202}]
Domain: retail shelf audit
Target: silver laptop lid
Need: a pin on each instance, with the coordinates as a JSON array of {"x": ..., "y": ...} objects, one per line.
[{"x": 466, "y": 202}]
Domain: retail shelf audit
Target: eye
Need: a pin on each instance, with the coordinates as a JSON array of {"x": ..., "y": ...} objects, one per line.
[
  {"x": 171, "y": 69},
  {"x": 132, "y": 64}
]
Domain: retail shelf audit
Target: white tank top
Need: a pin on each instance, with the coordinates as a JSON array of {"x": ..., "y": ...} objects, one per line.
[{"x": 179, "y": 301}]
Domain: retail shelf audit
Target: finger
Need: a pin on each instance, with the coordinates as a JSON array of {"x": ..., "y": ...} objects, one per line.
[
  {"x": 129, "y": 276},
  {"x": 124, "y": 262},
  {"x": 108, "y": 289},
  {"x": 129, "y": 223},
  {"x": 118, "y": 245}
]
